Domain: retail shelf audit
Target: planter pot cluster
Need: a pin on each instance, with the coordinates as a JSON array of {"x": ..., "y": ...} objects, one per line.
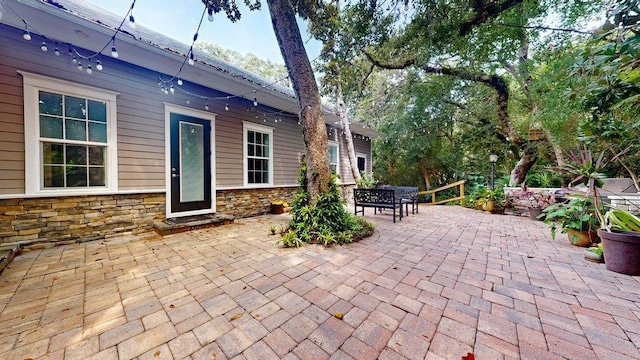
[{"x": 621, "y": 251}]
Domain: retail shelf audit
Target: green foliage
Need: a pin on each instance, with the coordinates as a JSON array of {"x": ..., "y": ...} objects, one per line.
[
  {"x": 251, "y": 62},
  {"x": 272, "y": 229},
  {"x": 598, "y": 250},
  {"x": 544, "y": 179},
  {"x": 480, "y": 196},
  {"x": 366, "y": 181},
  {"x": 578, "y": 214},
  {"x": 326, "y": 222},
  {"x": 618, "y": 219},
  {"x": 610, "y": 94},
  {"x": 290, "y": 239}
]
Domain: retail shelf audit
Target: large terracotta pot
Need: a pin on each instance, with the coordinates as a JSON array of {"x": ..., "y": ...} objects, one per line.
[
  {"x": 583, "y": 239},
  {"x": 488, "y": 206},
  {"x": 621, "y": 251}
]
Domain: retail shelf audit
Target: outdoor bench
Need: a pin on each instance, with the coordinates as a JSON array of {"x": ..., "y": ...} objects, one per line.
[
  {"x": 377, "y": 199},
  {"x": 406, "y": 195}
]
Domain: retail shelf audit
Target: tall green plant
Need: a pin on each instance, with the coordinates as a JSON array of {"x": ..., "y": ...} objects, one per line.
[{"x": 325, "y": 221}]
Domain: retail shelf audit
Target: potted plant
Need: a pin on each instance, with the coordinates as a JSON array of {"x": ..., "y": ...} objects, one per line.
[
  {"x": 620, "y": 236},
  {"x": 535, "y": 201},
  {"x": 279, "y": 206},
  {"x": 489, "y": 200},
  {"x": 577, "y": 218}
]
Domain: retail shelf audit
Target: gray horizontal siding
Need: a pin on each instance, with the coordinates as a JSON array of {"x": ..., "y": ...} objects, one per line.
[{"x": 140, "y": 120}]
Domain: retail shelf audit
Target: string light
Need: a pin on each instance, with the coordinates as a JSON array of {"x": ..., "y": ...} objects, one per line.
[
  {"x": 210, "y": 17},
  {"x": 114, "y": 51},
  {"x": 76, "y": 58},
  {"x": 132, "y": 22},
  {"x": 206, "y": 106}
]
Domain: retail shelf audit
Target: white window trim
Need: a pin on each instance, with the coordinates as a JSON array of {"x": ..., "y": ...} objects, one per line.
[
  {"x": 171, "y": 108},
  {"x": 337, "y": 146},
  {"x": 32, "y": 83},
  {"x": 361, "y": 155},
  {"x": 245, "y": 161}
]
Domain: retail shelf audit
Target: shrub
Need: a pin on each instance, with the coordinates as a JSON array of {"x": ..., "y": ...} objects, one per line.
[{"x": 326, "y": 222}]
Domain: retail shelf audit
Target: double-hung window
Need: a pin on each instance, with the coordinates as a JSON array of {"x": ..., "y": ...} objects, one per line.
[
  {"x": 334, "y": 157},
  {"x": 258, "y": 154},
  {"x": 71, "y": 130}
]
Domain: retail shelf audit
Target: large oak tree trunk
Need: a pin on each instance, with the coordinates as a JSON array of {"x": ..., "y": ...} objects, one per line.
[
  {"x": 304, "y": 84},
  {"x": 519, "y": 172}
]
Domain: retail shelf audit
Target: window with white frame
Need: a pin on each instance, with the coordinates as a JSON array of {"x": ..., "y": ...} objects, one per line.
[
  {"x": 362, "y": 163},
  {"x": 258, "y": 154},
  {"x": 72, "y": 130},
  {"x": 334, "y": 157}
]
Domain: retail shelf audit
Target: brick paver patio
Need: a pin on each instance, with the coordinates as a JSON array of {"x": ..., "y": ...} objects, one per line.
[{"x": 440, "y": 284}]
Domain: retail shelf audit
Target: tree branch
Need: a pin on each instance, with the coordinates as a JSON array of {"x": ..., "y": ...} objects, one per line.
[
  {"x": 543, "y": 28},
  {"x": 388, "y": 66},
  {"x": 494, "y": 81},
  {"x": 485, "y": 10}
]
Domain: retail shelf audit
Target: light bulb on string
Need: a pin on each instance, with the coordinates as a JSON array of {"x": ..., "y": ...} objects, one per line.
[
  {"x": 44, "y": 47},
  {"x": 172, "y": 90},
  {"x": 162, "y": 89},
  {"x": 180, "y": 81},
  {"x": 56, "y": 51},
  {"x": 89, "y": 70},
  {"x": 114, "y": 51},
  {"x": 79, "y": 66},
  {"x": 26, "y": 35},
  {"x": 99, "y": 65},
  {"x": 188, "y": 102},
  {"x": 210, "y": 12},
  {"x": 255, "y": 102},
  {"x": 74, "y": 60},
  {"x": 191, "y": 60},
  {"x": 206, "y": 106},
  {"x": 166, "y": 91},
  {"x": 132, "y": 22},
  {"x": 226, "y": 107}
]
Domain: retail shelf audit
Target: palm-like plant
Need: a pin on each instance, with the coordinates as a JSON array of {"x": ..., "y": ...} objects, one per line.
[{"x": 589, "y": 170}]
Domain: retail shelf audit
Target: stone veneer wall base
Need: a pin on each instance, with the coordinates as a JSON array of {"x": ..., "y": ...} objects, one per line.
[{"x": 36, "y": 223}]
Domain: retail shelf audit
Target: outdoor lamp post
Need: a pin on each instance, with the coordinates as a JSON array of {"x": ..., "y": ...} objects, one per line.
[{"x": 493, "y": 158}]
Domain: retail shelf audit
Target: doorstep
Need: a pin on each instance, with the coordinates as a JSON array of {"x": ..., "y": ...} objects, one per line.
[{"x": 178, "y": 225}]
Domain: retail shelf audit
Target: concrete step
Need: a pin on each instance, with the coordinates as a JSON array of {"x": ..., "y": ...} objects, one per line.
[
  {"x": 7, "y": 253},
  {"x": 177, "y": 225}
]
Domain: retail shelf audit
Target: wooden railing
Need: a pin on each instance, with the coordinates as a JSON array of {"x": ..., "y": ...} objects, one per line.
[{"x": 433, "y": 192}]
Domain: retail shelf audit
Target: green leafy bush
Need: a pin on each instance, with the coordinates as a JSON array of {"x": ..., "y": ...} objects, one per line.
[{"x": 326, "y": 222}]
